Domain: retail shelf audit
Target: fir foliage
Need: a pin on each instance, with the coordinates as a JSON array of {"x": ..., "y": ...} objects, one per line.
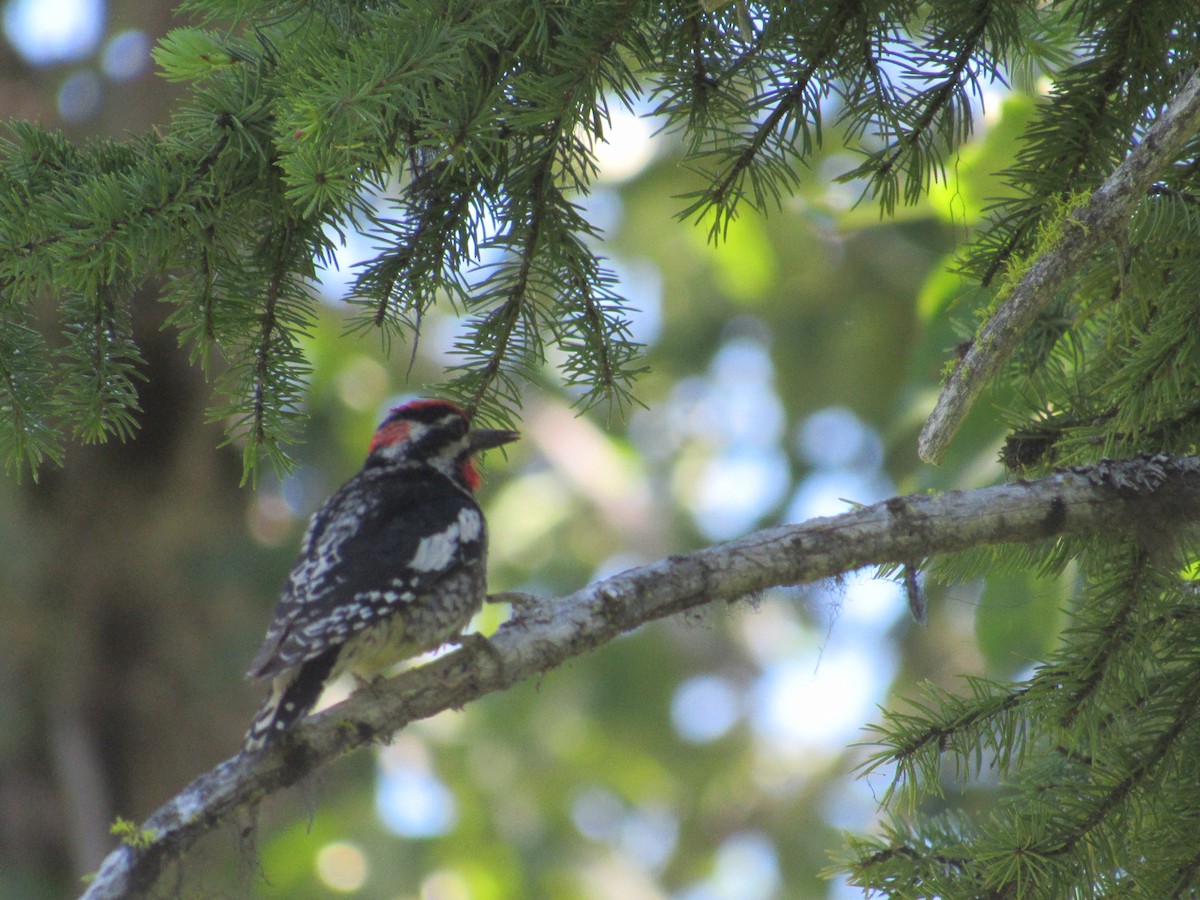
[
  {"x": 459, "y": 135},
  {"x": 1098, "y": 749}
]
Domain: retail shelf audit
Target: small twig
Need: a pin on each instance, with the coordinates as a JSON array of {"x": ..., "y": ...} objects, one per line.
[{"x": 1086, "y": 229}]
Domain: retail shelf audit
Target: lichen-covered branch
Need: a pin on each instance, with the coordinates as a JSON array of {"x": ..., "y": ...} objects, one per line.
[
  {"x": 1149, "y": 498},
  {"x": 1084, "y": 230}
]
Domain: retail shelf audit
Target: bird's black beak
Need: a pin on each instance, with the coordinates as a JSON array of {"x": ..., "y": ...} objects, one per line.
[{"x": 487, "y": 438}]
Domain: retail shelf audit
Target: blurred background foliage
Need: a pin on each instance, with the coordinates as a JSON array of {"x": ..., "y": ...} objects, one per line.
[{"x": 706, "y": 758}]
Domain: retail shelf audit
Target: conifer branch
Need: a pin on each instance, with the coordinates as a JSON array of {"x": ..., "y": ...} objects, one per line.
[
  {"x": 1083, "y": 231},
  {"x": 268, "y": 322},
  {"x": 702, "y": 82},
  {"x": 147, "y": 211},
  {"x": 725, "y": 192},
  {"x": 208, "y": 278},
  {"x": 1145, "y": 498},
  {"x": 932, "y": 739},
  {"x": 940, "y": 97},
  {"x": 1186, "y": 875},
  {"x": 594, "y": 331},
  {"x": 1114, "y": 633},
  {"x": 511, "y": 310},
  {"x": 1073, "y": 145},
  {"x": 1071, "y": 834},
  {"x": 1142, "y": 769}
]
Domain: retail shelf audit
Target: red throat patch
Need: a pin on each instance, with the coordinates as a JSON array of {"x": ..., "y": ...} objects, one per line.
[
  {"x": 470, "y": 474},
  {"x": 391, "y": 433}
]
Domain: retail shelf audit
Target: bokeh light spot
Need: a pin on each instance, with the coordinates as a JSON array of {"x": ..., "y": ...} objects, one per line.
[
  {"x": 641, "y": 282},
  {"x": 342, "y": 867},
  {"x": 445, "y": 884},
  {"x": 597, "y": 813},
  {"x": 80, "y": 95},
  {"x": 412, "y": 802},
  {"x": 337, "y": 275},
  {"x": 735, "y": 489},
  {"x": 835, "y": 437},
  {"x": 362, "y": 383},
  {"x": 627, "y": 148},
  {"x": 818, "y": 702},
  {"x": 649, "y": 834},
  {"x": 270, "y": 519},
  {"x": 50, "y": 32},
  {"x": 603, "y": 208},
  {"x": 747, "y": 868},
  {"x": 704, "y": 708},
  {"x": 126, "y": 56}
]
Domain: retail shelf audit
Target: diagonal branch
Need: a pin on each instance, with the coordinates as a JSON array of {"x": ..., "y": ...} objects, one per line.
[
  {"x": 1084, "y": 231},
  {"x": 1147, "y": 498}
]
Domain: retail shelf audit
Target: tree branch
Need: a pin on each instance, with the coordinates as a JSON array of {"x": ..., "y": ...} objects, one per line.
[
  {"x": 1148, "y": 498},
  {"x": 1083, "y": 232}
]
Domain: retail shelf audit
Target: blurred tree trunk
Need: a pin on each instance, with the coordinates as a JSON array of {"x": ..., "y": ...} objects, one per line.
[
  {"x": 115, "y": 577},
  {"x": 117, "y": 599}
]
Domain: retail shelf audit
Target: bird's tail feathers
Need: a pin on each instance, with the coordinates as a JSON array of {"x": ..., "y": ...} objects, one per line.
[{"x": 293, "y": 694}]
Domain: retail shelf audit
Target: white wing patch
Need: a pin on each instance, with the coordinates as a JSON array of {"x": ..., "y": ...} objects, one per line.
[
  {"x": 436, "y": 551},
  {"x": 470, "y": 524}
]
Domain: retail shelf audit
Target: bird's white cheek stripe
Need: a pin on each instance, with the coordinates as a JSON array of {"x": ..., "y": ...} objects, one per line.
[{"x": 435, "y": 551}]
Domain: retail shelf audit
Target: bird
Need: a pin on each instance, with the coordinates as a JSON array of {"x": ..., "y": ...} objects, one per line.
[{"x": 392, "y": 565}]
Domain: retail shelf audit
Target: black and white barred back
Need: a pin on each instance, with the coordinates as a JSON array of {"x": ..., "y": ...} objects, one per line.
[{"x": 392, "y": 565}]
